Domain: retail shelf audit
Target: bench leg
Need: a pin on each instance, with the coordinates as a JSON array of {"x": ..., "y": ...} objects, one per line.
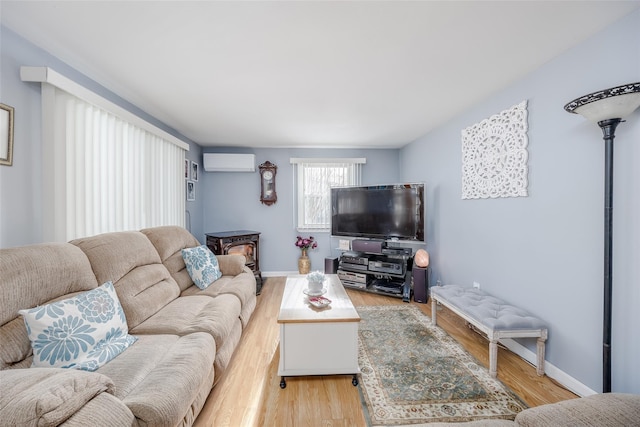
[
  {"x": 434, "y": 309},
  {"x": 540, "y": 348},
  {"x": 493, "y": 357}
]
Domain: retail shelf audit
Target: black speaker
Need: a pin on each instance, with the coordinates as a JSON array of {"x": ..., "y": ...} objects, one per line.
[
  {"x": 420, "y": 284},
  {"x": 372, "y": 246},
  {"x": 330, "y": 265}
]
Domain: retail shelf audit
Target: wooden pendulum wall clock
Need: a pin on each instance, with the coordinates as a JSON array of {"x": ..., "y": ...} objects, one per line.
[{"x": 268, "y": 194}]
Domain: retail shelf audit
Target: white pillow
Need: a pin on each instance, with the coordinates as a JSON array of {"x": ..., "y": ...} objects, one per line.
[
  {"x": 202, "y": 265},
  {"x": 83, "y": 332}
]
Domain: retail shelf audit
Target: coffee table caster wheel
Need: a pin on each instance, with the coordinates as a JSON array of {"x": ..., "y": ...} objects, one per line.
[
  {"x": 283, "y": 383},
  {"x": 354, "y": 381}
]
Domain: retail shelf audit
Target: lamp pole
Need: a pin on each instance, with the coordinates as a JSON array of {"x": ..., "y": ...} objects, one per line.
[
  {"x": 608, "y": 131},
  {"x": 607, "y": 108}
]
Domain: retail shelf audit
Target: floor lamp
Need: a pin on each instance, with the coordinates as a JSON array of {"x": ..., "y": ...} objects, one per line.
[{"x": 607, "y": 108}]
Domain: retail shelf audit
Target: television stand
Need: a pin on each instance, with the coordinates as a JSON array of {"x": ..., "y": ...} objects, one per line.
[
  {"x": 387, "y": 285},
  {"x": 386, "y": 273}
]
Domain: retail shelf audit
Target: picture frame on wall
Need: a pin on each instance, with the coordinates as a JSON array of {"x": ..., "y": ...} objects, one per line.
[
  {"x": 186, "y": 168},
  {"x": 195, "y": 171},
  {"x": 6, "y": 135},
  {"x": 191, "y": 191}
]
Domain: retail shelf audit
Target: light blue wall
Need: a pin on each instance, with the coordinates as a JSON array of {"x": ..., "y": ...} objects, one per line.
[
  {"x": 232, "y": 202},
  {"x": 544, "y": 252},
  {"x": 21, "y": 184}
]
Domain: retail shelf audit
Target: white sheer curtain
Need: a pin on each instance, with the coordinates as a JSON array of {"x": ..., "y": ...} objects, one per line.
[
  {"x": 103, "y": 173},
  {"x": 314, "y": 179}
]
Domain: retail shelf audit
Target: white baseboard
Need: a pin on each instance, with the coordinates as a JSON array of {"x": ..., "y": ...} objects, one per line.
[
  {"x": 550, "y": 370},
  {"x": 278, "y": 273}
]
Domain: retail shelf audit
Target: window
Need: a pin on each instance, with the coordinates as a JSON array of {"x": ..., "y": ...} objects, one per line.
[
  {"x": 314, "y": 179},
  {"x": 104, "y": 168}
]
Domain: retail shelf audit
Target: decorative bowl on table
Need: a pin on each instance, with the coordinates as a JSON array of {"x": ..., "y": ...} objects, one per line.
[
  {"x": 319, "y": 302},
  {"x": 315, "y": 284}
]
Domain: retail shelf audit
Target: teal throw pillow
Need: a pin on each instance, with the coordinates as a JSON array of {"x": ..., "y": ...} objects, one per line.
[
  {"x": 82, "y": 332},
  {"x": 202, "y": 266}
]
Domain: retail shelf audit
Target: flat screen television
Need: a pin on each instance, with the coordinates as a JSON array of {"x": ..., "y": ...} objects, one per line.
[{"x": 392, "y": 211}]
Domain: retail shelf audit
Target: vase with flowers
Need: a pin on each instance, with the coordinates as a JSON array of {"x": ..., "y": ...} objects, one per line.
[{"x": 305, "y": 243}]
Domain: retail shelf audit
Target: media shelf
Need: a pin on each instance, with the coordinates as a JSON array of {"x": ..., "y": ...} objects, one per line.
[{"x": 386, "y": 273}]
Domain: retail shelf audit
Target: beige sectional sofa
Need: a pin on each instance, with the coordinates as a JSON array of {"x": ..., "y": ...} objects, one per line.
[{"x": 185, "y": 336}]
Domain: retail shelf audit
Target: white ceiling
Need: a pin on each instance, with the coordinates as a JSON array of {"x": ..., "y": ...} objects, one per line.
[{"x": 307, "y": 73}]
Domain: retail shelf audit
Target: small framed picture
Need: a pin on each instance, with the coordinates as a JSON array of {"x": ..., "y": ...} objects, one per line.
[
  {"x": 6, "y": 135},
  {"x": 186, "y": 168},
  {"x": 194, "y": 171},
  {"x": 191, "y": 191}
]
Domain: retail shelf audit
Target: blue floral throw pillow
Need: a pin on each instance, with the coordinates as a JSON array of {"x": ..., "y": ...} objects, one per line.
[
  {"x": 83, "y": 332},
  {"x": 202, "y": 266}
]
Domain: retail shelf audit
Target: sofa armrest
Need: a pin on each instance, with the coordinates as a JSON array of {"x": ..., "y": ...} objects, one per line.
[
  {"x": 106, "y": 408},
  {"x": 231, "y": 265},
  {"x": 601, "y": 410},
  {"x": 48, "y": 396}
]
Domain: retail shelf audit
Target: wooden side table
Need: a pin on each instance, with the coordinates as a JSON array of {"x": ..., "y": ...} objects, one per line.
[{"x": 240, "y": 242}]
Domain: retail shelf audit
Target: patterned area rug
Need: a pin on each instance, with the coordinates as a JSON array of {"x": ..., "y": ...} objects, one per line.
[{"x": 413, "y": 372}]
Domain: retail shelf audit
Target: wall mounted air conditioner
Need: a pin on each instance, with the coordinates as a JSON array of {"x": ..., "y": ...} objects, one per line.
[{"x": 229, "y": 162}]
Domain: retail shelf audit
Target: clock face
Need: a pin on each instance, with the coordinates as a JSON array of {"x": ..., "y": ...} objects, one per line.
[{"x": 268, "y": 175}]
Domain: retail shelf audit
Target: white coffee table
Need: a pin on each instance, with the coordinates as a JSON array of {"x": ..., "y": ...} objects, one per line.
[{"x": 317, "y": 341}]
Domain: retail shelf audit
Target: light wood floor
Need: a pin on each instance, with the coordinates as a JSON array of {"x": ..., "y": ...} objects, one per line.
[{"x": 248, "y": 394}]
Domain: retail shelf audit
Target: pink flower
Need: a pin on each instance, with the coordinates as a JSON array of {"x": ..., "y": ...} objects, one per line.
[{"x": 305, "y": 243}]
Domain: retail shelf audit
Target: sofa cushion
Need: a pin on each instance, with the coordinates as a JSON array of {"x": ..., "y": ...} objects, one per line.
[
  {"x": 82, "y": 332},
  {"x": 186, "y": 315},
  {"x": 169, "y": 242},
  {"x": 104, "y": 409},
  {"x": 202, "y": 266},
  {"x": 42, "y": 396},
  {"x": 164, "y": 379},
  {"x": 15, "y": 351},
  {"x": 33, "y": 275},
  {"x": 130, "y": 261},
  {"x": 225, "y": 352},
  {"x": 243, "y": 286}
]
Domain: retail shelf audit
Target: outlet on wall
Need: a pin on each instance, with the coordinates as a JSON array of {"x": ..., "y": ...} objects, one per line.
[{"x": 476, "y": 285}]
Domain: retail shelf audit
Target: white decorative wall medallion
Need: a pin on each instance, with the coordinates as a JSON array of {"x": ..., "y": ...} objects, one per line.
[{"x": 494, "y": 156}]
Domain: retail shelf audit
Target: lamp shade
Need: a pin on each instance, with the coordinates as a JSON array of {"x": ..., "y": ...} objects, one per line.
[{"x": 614, "y": 103}]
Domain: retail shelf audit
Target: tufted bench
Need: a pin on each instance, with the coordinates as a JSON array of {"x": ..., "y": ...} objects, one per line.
[{"x": 492, "y": 316}]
